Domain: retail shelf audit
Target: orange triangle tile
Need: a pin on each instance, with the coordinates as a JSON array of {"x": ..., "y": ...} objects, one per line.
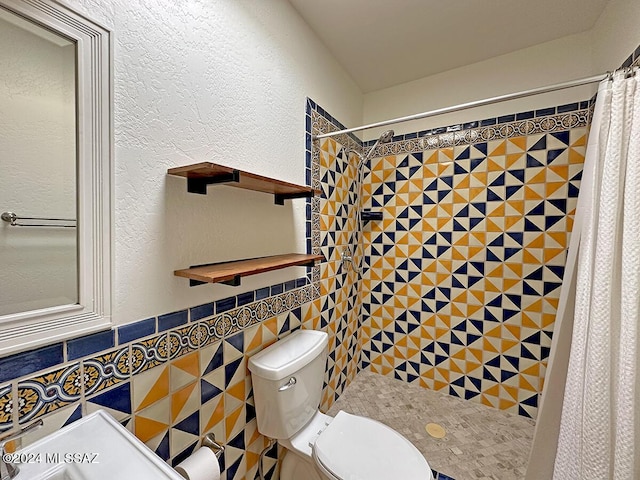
[
  {"x": 478, "y": 294},
  {"x": 520, "y": 142},
  {"x": 538, "y": 242},
  {"x": 561, "y": 171},
  {"x": 497, "y": 272},
  {"x": 513, "y": 158},
  {"x": 271, "y": 325},
  {"x": 552, "y": 301},
  {"x": 252, "y": 459},
  {"x": 514, "y": 330},
  {"x": 232, "y": 419},
  {"x": 551, "y": 253},
  {"x": 488, "y": 346},
  {"x": 237, "y": 390},
  {"x": 460, "y": 355},
  {"x": 471, "y": 309},
  {"x": 505, "y": 404},
  {"x": 575, "y": 156},
  {"x": 511, "y": 391},
  {"x": 146, "y": 428},
  {"x": 457, "y": 311},
  {"x": 464, "y": 182},
  {"x": 493, "y": 166},
  {"x": 509, "y": 283},
  {"x": 540, "y": 177},
  {"x": 471, "y": 366},
  {"x": 518, "y": 206},
  {"x": 495, "y": 332},
  {"x": 448, "y": 208},
  {"x": 492, "y": 227},
  {"x": 188, "y": 363},
  {"x": 531, "y": 194},
  {"x": 256, "y": 341},
  {"x": 501, "y": 149},
  {"x": 475, "y": 191},
  {"x": 159, "y": 390},
  {"x": 559, "y": 237},
  {"x": 457, "y": 367},
  {"x": 529, "y": 258},
  {"x": 179, "y": 399},
  {"x": 548, "y": 319},
  {"x": 533, "y": 370},
  {"x": 525, "y": 385},
  {"x": 477, "y": 353},
  {"x": 552, "y": 187},
  {"x": 490, "y": 287},
  {"x": 473, "y": 251},
  {"x": 499, "y": 211},
  {"x": 487, "y": 401},
  {"x": 507, "y": 345},
  {"x": 494, "y": 390}
]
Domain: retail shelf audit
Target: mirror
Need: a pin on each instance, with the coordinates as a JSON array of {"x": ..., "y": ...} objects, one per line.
[
  {"x": 55, "y": 174},
  {"x": 38, "y": 235}
]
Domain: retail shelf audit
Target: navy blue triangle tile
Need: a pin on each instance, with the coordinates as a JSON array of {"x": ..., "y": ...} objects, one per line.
[
  {"x": 560, "y": 204},
  {"x": 163, "y": 448},
  {"x": 456, "y": 283},
  {"x": 506, "y": 375},
  {"x": 535, "y": 275},
  {"x": 473, "y": 280},
  {"x": 529, "y": 226},
  {"x": 230, "y": 370},
  {"x": 400, "y": 177},
  {"x": 537, "y": 210},
  {"x": 468, "y": 395},
  {"x": 208, "y": 391},
  {"x": 494, "y": 362},
  {"x": 448, "y": 180},
  {"x": 487, "y": 375},
  {"x": 551, "y": 220},
  {"x": 427, "y": 200},
  {"x": 499, "y": 181},
  {"x": 478, "y": 267},
  {"x": 515, "y": 299},
  {"x": 514, "y": 361},
  {"x": 237, "y": 341},
  {"x": 517, "y": 236},
  {"x": 238, "y": 441},
  {"x": 510, "y": 191},
  {"x": 533, "y": 162},
  {"x": 553, "y": 154},
  {"x": 458, "y": 169},
  {"x": 478, "y": 324},
  {"x": 481, "y": 147},
  {"x": 481, "y": 207},
  {"x": 459, "y": 382},
  {"x": 498, "y": 241},
  {"x": 466, "y": 153},
  {"x": 458, "y": 227},
  {"x": 191, "y": 424},
  {"x": 404, "y": 162},
  {"x": 551, "y": 286},
  {"x": 446, "y": 236},
  {"x": 77, "y": 414},
  {"x": 379, "y": 190},
  {"x": 472, "y": 338},
  {"x": 510, "y": 252},
  {"x": 180, "y": 457},
  {"x": 492, "y": 257},
  {"x": 532, "y": 401},
  {"x": 463, "y": 212},
  {"x": 573, "y": 190},
  {"x": 388, "y": 198},
  {"x": 442, "y": 249},
  {"x": 518, "y": 174},
  {"x": 508, "y": 313},
  {"x": 577, "y": 177},
  {"x": 476, "y": 162},
  {"x": 117, "y": 399},
  {"x": 413, "y": 171},
  {"x": 444, "y": 347},
  {"x": 526, "y": 353},
  {"x": 455, "y": 340},
  {"x": 432, "y": 186},
  {"x": 496, "y": 302},
  {"x": 475, "y": 382},
  {"x": 493, "y": 196},
  {"x": 557, "y": 270},
  {"x": 442, "y": 194},
  {"x": 540, "y": 144},
  {"x": 488, "y": 316},
  {"x": 523, "y": 413},
  {"x": 233, "y": 469},
  {"x": 527, "y": 289},
  {"x": 562, "y": 136},
  {"x": 441, "y": 358}
]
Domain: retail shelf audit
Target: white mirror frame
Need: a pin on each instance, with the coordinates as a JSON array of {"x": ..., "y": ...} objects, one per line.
[{"x": 27, "y": 330}]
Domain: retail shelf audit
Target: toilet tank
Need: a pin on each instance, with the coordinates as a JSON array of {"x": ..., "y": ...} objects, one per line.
[{"x": 287, "y": 382}]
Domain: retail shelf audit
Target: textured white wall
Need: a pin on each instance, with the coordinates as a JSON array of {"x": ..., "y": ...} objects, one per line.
[
  {"x": 208, "y": 80},
  {"x": 37, "y": 170},
  {"x": 616, "y": 34},
  {"x": 567, "y": 58}
]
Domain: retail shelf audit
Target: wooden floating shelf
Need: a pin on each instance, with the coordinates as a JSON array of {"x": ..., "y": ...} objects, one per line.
[
  {"x": 200, "y": 175},
  {"x": 230, "y": 273}
]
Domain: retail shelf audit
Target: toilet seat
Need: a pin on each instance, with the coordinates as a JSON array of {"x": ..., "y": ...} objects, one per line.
[{"x": 358, "y": 448}]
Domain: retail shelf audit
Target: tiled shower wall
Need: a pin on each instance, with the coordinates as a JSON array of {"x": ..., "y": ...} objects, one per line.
[{"x": 464, "y": 271}]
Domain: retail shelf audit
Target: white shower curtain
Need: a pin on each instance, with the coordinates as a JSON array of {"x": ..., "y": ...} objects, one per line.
[{"x": 600, "y": 421}]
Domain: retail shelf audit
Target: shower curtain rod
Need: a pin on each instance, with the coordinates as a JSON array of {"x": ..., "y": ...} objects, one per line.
[{"x": 478, "y": 103}]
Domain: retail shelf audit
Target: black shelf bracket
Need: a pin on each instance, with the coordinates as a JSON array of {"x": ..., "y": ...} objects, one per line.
[
  {"x": 199, "y": 184},
  {"x": 281, "y": 197}
]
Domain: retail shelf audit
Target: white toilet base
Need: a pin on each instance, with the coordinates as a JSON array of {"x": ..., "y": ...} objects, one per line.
[{"x": 294, "y": 467}]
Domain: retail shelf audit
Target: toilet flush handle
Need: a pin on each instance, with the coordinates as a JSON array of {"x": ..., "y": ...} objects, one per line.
[{"x": 292, "y": 381}]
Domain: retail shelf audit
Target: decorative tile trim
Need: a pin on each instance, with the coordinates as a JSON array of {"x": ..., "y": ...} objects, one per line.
[
  {"x": 149, "y": 353},
  {"x": 48, "y": 392},
  {"x": 6, "y": 408},
  {"x": 106, "y": 370},
  {"x": 432, "y": 141}
]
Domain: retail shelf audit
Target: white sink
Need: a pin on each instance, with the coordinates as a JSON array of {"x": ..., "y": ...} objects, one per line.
[{"x": 95, "y": 447}]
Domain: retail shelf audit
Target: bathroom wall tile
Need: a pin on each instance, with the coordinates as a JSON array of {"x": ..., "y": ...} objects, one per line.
[
  {"x": 48, "y": 392},
  {"x": 172, "y": 320},
  {"x": 116, "y": 402},
  {"x": 151, "y": 425},
  {"x": 184, "y": 370},
  {"x": 184, "y": 402},
  {"x": 6, "y": 408},
  {"x": 146, "y": 354},
  {"x": 133, "y": 331},
  {"x": 25, "y": 363},
  {"x": 184, "y": 340},
  {"x": 150, "y": 387},
  {"x": 96, "y": 342},
  {"x": 106, "y": 370},
  {"x": 201, "y": 311}
]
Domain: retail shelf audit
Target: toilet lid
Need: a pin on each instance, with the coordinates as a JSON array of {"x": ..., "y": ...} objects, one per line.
[{"x": 358, "y": 448}]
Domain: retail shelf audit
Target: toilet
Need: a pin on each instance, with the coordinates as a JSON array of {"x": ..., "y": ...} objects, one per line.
[{"x": 287, "y": 382}]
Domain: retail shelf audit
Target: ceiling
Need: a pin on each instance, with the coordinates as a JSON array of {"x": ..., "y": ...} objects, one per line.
[{"x": 382, "y": 43}]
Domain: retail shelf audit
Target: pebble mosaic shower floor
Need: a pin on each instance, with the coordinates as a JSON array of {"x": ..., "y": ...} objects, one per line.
[{"x": 481, "y": 443}]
